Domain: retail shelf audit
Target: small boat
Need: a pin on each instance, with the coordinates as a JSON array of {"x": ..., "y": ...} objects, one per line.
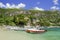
[{"x": 35, "y": 31}]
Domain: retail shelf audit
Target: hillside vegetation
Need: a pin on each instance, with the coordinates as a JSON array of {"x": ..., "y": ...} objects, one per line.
[{"x": 17, "y": 17}]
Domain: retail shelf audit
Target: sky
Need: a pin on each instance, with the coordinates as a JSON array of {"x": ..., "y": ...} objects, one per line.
[{"x": 31, "y": 4}]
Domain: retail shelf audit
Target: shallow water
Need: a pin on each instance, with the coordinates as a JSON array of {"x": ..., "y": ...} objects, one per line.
[{"x": 22, "y": 35}]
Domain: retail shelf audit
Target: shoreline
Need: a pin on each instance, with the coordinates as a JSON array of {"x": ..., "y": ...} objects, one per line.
[{"x": 16, "y": 28}]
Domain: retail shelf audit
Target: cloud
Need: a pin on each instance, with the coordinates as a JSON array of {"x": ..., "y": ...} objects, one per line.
[
  {"x": 8, "y": 5},
  {"x": 55, "y": 2},
  {"x": 21, "y": 5},
  {"x": 2, "y": 5},
  {"x": 55, "y": 8},
  {"x": 37, "y": 8}
]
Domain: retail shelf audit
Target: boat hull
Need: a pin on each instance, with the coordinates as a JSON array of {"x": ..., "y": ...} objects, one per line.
[{"x": 35, "y": 31}]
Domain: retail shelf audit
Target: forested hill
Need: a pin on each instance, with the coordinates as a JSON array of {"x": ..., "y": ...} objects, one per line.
[{"x": 22, "y": 17}]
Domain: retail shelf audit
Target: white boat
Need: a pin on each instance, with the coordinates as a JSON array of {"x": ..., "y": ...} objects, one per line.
[{"x": 35, "y": 31}]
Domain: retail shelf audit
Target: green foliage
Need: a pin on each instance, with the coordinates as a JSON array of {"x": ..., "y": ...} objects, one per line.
[{"x": 47, "y": 18}]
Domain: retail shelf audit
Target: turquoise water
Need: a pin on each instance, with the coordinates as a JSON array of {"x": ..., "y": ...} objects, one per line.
[{"x": 22, "y": 35}]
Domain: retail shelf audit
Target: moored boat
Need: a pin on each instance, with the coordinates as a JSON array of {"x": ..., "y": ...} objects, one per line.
[{"x": 35, "y": 31}]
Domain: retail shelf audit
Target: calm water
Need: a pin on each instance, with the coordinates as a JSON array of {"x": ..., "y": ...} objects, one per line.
[{"x": 21, "y": 35}]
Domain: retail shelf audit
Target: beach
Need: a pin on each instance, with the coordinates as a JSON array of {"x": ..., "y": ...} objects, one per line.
[{"x": 22, "y": 35}]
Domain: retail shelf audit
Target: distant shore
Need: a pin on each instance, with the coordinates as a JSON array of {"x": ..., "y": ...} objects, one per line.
[{"x": 7, "y": 27}]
